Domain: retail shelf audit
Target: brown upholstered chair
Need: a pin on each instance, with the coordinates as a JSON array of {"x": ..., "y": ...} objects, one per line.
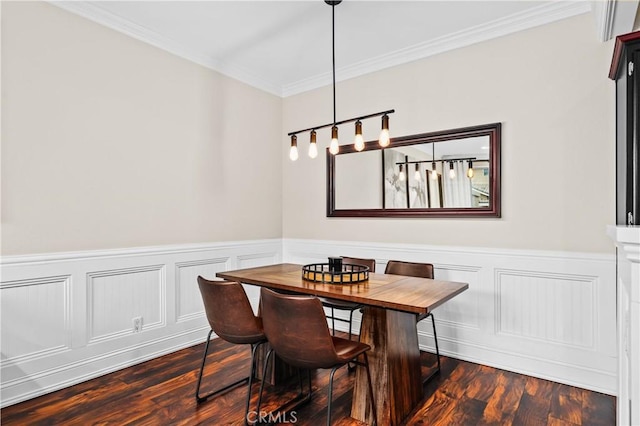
[
  {"x": 422, "y": 270},
  {"x": 297, "y": 331},
  {"x": 341, "y": 305},
  {"x": 231, "y": 317}
]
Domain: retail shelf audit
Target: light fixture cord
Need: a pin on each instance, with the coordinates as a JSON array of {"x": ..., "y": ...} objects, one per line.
[{"x": 333, "y": 51}]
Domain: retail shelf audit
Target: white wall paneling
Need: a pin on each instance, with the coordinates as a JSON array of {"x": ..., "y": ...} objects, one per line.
[
  {"x": 545, "y": 314},
  {"x": 627, "y": 239},
  {"x": 68, "y": 317}
]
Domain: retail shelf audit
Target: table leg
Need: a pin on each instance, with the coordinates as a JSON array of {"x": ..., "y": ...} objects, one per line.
[{"x": 394, "y": 361}]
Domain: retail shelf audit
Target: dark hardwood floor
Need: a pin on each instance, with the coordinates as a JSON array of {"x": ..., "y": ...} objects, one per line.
[{"x": 161, "y": 392}]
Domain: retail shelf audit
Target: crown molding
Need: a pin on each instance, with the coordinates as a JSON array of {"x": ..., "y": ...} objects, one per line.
[
  {"x": 604, "y": 12},
  {"x": 540, "y": 15},
  {"x": 95, "y": 13},
  {"x": 532, "y": 18},
  {"x": 614, "y": 17}
]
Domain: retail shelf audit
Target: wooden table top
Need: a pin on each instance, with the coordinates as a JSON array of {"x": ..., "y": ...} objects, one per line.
[{"x": 397, "y": 292}]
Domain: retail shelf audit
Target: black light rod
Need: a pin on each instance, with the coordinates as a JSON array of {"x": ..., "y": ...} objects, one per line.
[
  {"x": 362, "y": 117},
  {"x": 439, "y": 161}
]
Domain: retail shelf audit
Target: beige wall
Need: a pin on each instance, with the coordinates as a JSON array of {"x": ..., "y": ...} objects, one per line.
[
  {"x": 549, "y": 88},
  {"x": 108, "y": 142}
]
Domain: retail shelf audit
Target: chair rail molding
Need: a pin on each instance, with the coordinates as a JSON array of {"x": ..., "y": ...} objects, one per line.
[
  {"x": 69, "y": 317},
  {"x": 546, "y": 314}
]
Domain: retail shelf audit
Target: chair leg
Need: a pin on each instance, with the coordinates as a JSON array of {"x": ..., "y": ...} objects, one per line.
[
  {"x": 203, "y": 398},
  {"x": 251, "y": 374},
  {"x": 330, "y": 397},
  {"x": 373, "y": 402},
  {"x": 264, "y": 378},
  {"x": 435, "y": 338}
]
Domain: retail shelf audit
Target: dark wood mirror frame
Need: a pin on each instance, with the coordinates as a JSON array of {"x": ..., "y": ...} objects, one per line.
[{"x": 493, "y": 210}]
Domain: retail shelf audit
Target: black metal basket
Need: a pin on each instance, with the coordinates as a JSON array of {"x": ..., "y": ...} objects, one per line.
[{"x": 349, "y": 274}]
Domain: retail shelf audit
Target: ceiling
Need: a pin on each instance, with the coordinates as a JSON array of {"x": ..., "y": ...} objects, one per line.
[{"x": 284, "y": 47}]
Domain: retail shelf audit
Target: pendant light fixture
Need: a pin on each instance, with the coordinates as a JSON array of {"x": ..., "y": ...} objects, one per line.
[
  {"x": 293, "y": 152},
  {"x": 417, "y": 175},
  {"x": 313, "y": 147},
  {"x": 452, "y": 172},
  {"x": 402, "y": 176},
  {"x": 470, "y": 170},
  {"x": 358, "y": 142},
  {"x": 334, "y": 146},
  {"x": 434, "y": 171}
]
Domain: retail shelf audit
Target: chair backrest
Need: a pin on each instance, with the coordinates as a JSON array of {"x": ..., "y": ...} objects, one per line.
[
  {"x": 370, "y": 263},
  {"x": 411, "y": 269},
  {"x": 229, "y": 312},
  {"x": 297, "y": 330}
]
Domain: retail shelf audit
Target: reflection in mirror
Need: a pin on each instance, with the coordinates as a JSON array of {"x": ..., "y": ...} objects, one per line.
[
  {"x": 440, "y": 174},
  {"x": 354, "y": 190},
  {"x": 454, "y": 172}
]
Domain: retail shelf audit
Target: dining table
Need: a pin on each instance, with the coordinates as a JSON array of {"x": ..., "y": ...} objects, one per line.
[{"x": 392, "y": 304}]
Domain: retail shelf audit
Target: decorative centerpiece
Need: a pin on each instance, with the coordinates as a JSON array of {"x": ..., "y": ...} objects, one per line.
[{"x": 335, "y": 272}]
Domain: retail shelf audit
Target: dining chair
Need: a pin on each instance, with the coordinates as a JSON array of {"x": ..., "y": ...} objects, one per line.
[
  {"x": 297, "y": 330},
  {"x": 341, "y": 305},
  {"x": 231, "y": 317},
  {"x": 422, "y": 270}
]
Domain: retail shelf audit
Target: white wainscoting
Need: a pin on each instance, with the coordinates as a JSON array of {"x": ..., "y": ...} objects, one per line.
[
  {"x": 545, "y": 314},
  {"x": 68, "y": 317}
]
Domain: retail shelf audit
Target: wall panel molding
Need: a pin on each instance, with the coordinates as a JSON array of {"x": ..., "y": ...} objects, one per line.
[
  {"x": 188, "y": 299},
  {"x": 471, "y": 326},
  {"x": 87, "y": 301},
  {"x": 555, "y": 308},
  {"x": 115, "y": 297},
  {"x": 39, "y": 311},
  {"x": 546, "y": 314}
]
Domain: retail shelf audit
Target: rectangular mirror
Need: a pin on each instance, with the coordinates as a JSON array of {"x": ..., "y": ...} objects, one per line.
[{"x": 447, "y": 173}]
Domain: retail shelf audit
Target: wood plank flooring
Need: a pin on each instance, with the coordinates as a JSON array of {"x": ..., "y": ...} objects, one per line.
[{"x": 161, "y": 392}]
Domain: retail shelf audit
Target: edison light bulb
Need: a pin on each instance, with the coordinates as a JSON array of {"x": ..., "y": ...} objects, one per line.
[
  {"x": 358, "y": 143},
  {"x": 402, "y": 176},
  {"x": 417, "y": 174},
  {"x": 434, "y": 173},
  {"x": 293, "y": 153},
  {"x": 334, "y": 148},
  {"x": 384, "y": 138},
  {"x": 452, "y": 172},
  {"x": 313, "y": 150},
  {"x": 470, "y": 173},
  {"x": 384, "y": 134}
]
